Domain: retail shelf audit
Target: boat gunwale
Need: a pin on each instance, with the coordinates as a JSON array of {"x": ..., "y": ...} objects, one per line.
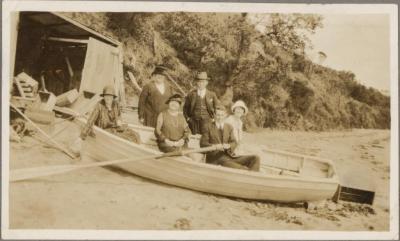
[{"x": 328, "y": 180}]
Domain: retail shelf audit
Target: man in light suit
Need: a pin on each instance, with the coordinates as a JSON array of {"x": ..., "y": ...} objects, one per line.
[{"x": 199, "y": 108}]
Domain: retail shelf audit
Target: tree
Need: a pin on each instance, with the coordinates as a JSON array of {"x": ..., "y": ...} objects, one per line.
[{"x": 289, "y": 30}]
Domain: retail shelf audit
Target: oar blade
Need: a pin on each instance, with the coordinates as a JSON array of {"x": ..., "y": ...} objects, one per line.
[{"x": 29, "y": 173}]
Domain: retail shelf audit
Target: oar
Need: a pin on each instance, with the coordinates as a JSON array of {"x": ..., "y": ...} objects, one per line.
[
  {"x": 59, "y": 146},
  {"x": 176, "y": 84},
  {"x": 29, "y": 173}
]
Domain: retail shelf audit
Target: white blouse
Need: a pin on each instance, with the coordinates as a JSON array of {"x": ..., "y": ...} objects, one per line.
[{"x": 237, "y": 125}]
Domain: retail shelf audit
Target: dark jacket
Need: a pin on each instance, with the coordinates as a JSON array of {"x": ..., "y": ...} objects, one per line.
[
  {"x": 152, "y": 103},
  {"x": 211, "y": 136},
  {"x": 101, "y": 117},
  {"x": 190, "y": 103}
]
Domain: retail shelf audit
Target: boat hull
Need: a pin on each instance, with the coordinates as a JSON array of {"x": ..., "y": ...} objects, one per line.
[{"x": 183, "y": 172}]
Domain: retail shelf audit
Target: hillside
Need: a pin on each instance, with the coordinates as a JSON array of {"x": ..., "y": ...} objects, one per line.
[{"x": 283, "y": 89}]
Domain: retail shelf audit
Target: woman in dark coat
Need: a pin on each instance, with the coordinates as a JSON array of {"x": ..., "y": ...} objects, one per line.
[{"x": 152, "y": 100}]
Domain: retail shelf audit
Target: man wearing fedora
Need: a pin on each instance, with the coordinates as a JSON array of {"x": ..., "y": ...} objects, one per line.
[
  {"x": 153, "y": 97},
  {"x": 199, "y": 108}
]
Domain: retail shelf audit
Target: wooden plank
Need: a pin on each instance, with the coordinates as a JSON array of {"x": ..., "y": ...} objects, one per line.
[
  {"x": 19, "y": 87},
  {"x": 91, "y": 31},
  {"x": 68, "y": 40},
  {"x": 65, "y": 110},
  {"x": 67, "y": 98},
  {"x": 40, "y": 116},
  {"x": 356, "y": 195},
  {"x": 98, "y": 70},
  {"x": 26, "y": 85}
]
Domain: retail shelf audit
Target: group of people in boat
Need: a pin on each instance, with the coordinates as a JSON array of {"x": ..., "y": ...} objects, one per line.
[{"x": 174, "y": 118}]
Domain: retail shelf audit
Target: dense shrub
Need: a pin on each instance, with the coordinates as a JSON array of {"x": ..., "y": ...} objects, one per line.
[{"x": 269, "y": 69}]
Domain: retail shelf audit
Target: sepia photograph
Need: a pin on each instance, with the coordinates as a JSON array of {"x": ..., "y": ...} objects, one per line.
[{"x": 168, "y": 120}]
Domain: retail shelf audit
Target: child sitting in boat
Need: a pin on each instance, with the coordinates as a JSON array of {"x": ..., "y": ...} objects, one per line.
[
  {"x": 172, "y": 131},
  {"x": 221, "y": 135}
]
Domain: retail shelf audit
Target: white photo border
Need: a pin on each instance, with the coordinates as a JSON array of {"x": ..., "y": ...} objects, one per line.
[{"x": 125, "y": 6}]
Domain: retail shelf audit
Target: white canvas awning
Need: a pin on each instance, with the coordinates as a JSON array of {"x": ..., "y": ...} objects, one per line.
[{"x": 102, "y": 67}]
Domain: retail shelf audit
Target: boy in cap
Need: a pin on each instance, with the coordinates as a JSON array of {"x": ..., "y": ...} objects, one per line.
[
  {"x": 153, "y": 97},
  {"x": 199, "y": 108}
]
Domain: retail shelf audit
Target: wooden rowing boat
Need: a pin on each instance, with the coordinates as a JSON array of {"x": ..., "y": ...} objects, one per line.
[{"x": 284, "y": 177}]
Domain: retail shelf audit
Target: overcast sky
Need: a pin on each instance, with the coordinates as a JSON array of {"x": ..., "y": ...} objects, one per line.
[{"x": 358, "y": 43}]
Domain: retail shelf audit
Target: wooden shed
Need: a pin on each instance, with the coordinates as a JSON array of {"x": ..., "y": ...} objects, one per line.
[{"x": 63, "y": 54}]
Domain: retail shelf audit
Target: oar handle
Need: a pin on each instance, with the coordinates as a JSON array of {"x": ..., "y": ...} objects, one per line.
[
  {"x": 28, "y": 173},
  {"x": 188, "y": 151}
]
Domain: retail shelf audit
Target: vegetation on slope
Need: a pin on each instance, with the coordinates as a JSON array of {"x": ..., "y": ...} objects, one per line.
[{"x": 268, "y": 69}]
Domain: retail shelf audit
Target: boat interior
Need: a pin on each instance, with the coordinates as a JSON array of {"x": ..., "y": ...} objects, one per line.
[{"x": 273, "y": 162}]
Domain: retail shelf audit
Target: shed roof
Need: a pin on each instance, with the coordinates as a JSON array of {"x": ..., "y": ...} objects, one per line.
[{"x": 62, "y": 26}]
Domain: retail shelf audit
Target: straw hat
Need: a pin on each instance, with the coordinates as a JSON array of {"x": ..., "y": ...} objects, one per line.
[
  {"x": 108, "y": 90},
  {"x": 240, "y": 103}
]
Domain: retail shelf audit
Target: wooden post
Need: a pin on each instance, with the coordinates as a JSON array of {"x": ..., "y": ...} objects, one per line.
[
  {"x": 14, "y": 22},
  {"x": 134, "y": 82},
  {"x": 43, "y": 83},
  {"x": 70, "y": 70}
]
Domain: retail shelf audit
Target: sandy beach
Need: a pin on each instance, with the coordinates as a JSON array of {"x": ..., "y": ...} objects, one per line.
[{"x": 105, "y": 198}]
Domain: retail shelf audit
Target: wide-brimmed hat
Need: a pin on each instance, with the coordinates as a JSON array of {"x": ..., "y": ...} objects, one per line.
[
  {"x": 160, "y": 69},
  {"x": 175, "y": 97},
  {"x": 108, "y": 90},
  {"x": 202, "y": 76},
  {"x": 240, "y": 103}
]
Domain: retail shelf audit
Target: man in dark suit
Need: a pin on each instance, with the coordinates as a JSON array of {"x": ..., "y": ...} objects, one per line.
[
  {"x": 221, "y": 135},
  {"x": 199, "y": 108}
]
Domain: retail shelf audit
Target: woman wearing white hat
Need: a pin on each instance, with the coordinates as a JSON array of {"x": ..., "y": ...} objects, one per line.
[{"x": 239, "y": 109}]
